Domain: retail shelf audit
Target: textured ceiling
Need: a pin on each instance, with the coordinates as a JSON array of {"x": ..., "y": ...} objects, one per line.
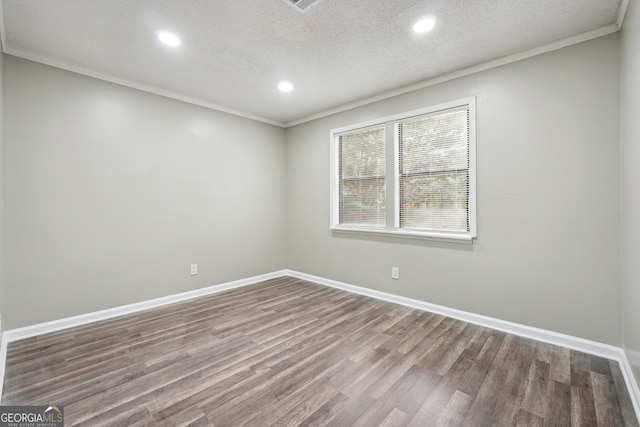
[{"x": 233, "y": 54}]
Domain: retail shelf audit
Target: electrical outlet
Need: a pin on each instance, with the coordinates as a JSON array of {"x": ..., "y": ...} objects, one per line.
[
  {"x": 194, "y": 269},
  {"x": 395, "y": 273}
]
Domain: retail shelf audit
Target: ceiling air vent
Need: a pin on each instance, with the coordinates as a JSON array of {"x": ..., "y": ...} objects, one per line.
[{"x": 302, "y": 5}]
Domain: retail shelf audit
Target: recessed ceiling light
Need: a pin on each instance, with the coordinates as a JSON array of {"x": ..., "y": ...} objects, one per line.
[
  {"x": 285, "y": 87},
  {"x": 168, "y": 38},
  {"x": 425, "y": 24}
]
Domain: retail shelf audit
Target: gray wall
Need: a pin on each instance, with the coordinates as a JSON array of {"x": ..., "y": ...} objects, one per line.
[
  {"x": 2, "y": 298},
  {"x": 111, "y": 193},
  {"x": 630, "y": 183},
  {"x": 547, "y": 252}
]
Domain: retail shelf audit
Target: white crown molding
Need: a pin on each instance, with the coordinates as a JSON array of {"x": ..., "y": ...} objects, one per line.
[
  {"x": 2, "y": 34},
  {"x": 575, "y": 343},
  {"x": 43, "y": 59},
  {"x": 589, "y": 35},
  {"x": 622, "y": 10}
]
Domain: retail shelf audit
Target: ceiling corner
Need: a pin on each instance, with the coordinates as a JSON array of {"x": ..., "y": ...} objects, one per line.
[
  {"x": 622, "y": 10},
  {"x": 2, "y": 33}
]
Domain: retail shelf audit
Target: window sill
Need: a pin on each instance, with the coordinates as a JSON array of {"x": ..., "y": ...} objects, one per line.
[{"x": 464, "y": 239}]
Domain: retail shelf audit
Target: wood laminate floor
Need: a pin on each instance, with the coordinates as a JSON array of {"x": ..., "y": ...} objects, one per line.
[{"x": 288, "y": 352}]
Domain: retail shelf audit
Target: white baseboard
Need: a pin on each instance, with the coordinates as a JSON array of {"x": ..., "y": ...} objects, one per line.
[
  {"x": 591, "y": 347},
  {"x": 83, "y": 319},
  {"x": 3, "y": 360},
  {"x": 586, "y": 346},
  {"x": 632, "y": 385},
  {"x": 574, "y": 343}
]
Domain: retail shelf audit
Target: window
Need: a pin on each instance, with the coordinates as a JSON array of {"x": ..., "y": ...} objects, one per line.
[
  {"x": 412, "y": 174},
  {"x": 362, "y": 175}
]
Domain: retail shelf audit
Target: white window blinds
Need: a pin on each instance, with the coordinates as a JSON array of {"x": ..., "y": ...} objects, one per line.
[
  {"x": 362, "y": 178},
  {"x": 412, "y": 174},
  {"x": 434, "y": 171}
]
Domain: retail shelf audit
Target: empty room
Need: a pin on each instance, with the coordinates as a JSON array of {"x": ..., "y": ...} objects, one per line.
[{"x": 320, "y": 213}]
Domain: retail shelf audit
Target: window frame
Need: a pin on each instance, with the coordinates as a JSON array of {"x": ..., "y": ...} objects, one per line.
[{"x": 393, "y": 176}]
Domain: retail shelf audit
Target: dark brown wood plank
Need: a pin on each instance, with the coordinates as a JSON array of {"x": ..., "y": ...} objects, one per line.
[
  {"x": 559, "y": 406},
  {"x": 536, "y": 395},
  {"x": 583, "y": 409}
]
